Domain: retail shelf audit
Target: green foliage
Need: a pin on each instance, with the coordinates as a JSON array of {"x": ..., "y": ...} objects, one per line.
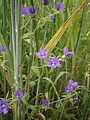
[{"x": 20, "y": 67}]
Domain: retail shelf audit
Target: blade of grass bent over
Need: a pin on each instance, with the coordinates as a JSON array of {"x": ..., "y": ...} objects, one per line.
[{"x": 52, "y": 43}]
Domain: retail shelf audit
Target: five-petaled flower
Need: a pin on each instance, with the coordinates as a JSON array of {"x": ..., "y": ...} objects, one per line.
[
  {"x": 46, "y": 2},
  {"x": 3, "y": 106},
  {"x": 53, "y": 62},
  {"x": 42, "y": 53},
  {"x": 18, "y": 94},
  {"x": 2, "y": 48},
  {"x": 66, "y": 53},
  {"x": 45, "y": 102},
  {"x": 71, "y": 85},
  {"x": 59, "y": 6}
]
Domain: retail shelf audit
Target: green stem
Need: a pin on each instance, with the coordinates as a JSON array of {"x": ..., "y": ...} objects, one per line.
[
  {"x": 80, "y": 29},
  {"x": 44, "y": 39},
  {"x": 12, "y": 3},
  {"x": 4, "y": 18},
  {"x": 17, "y": 3},
  {"x": 38, "y": 84},
  {"x": 17, "y": 37},
  {"x": 31, "y": 50},
  {"x": 66, "y": 67}
]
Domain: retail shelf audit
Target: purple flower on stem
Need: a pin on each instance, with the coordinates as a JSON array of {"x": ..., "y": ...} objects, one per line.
[
  {"x": 25, "y": 10},
  {"x": 45, "y": 102},
  {"x": 53, "y": 62},
  {"x": 70, "y": 86},
  {"x": 18, "y": 94},
  {"x": 59, "y": 6},
  {"x": 66, "y": 53},
  {"x": 3, "y": 106},
  {"x": 42, "y": 53},
  {"x": 32, "y": 9},
  {"x": 51, "y": 16},
  {"x": 2, "y": 48},
  {"x": 28, "y": 10},
  {"x": 74, "y": 100},
  {"x": 46, "y": 2}
]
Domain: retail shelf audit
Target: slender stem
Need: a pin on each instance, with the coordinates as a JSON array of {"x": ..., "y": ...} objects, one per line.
[
  {"x": 88, "y": 78},
  {"x": 38, "y": 83},
  {"x": 4, "y": 75},
  {"x": 17, "y": 37},
  {"x": 31, "y": 37},
  {"x": 44, "y": 39},
  {"x": 66, "y": 12},
  {"x": 80, "y": 29},
  {"x": 4, "y": 18},
  {"x": 13, "y": 32},
  {"x": 66, "y": 67},
  {"x": 31, "y": 41},
  {"x": 17, "y": 3}
]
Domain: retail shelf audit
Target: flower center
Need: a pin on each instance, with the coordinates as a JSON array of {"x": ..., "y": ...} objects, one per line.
[
  {"x": 42, "y": 54},
  {"x": 53, "y": 63},
  {"x": 17, "y": 96},
  {"x": 3, "y": 105}
]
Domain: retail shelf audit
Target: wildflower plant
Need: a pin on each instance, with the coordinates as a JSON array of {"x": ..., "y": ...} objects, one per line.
[{"x": 36, "y": 78}]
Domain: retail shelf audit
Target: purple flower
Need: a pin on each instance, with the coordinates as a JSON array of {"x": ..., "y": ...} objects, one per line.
[
  {"x": 2, "y": 48},
  {"x": 72, "y": 84},
  {"x": 28, "y": 10},
  {"x": 32, "y": 9},
  {"x": 18, "y": 94},
  {"x": 53, "y": 62},
  {"x": 25, "y": 10},
  {"x": 51, "y": 16},
  {"x": 42, "y": 53},
  {"x": 59, "y": 6},
  {"x": 45, "y": 102},
  {"x": 68, "y": 89},
  {"x": 46, "y": 2},
  {"x": 66, "y": 53},
  {"x": 3, "y": 106},
  {"x": 74, "y": 100}
]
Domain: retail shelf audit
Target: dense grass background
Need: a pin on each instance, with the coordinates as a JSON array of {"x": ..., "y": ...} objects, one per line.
[{"x": 20, "y": 68}]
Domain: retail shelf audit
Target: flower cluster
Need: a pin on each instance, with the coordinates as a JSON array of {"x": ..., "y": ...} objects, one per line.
[
  {"x": 31, "y": 9},
  {"x": 71, "y": 85},
  {"x": 3, "y": 106},
  {"x": 27, "y": 10},
  {"x": 52, "y": 62}
]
